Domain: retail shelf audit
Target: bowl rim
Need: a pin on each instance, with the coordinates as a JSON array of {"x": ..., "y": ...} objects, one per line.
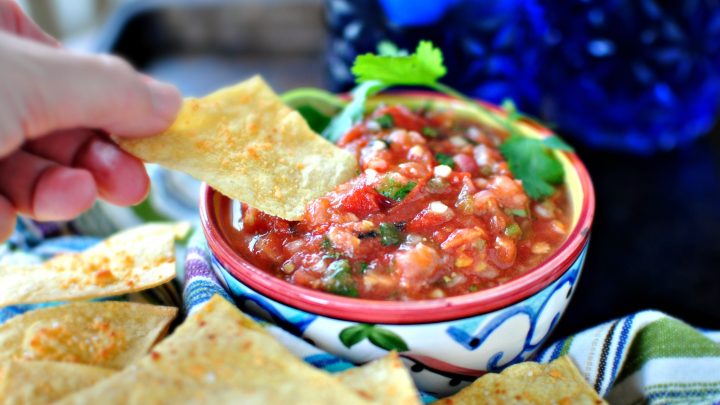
[{"x": 408, "y": 312}]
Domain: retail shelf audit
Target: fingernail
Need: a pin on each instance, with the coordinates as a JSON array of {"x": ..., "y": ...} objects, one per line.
[{"x": 166, "y": 99}]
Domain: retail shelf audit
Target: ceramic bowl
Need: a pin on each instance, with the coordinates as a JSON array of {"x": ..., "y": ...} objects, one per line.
[{"x": 446, "y": 342}]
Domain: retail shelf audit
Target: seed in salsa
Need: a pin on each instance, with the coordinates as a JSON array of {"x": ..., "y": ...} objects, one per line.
[{"x": 435, "y": 212}]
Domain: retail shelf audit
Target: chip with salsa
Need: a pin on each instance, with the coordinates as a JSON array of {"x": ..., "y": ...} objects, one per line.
[{"x": 247, "y": 144}]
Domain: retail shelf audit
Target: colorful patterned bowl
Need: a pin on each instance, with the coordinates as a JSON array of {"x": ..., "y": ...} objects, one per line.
[{"x": 446, "y": 342}]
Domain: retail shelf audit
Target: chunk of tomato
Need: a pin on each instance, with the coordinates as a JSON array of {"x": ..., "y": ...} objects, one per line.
[
  {"x": 360, "y": 200},
  {"x": 403, "y": 118}
]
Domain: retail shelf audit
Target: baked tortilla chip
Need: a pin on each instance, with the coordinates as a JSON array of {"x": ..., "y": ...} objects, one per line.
[
  {"x": 384, "y": 381},
  {"x": 559, "y": 382},
  {"x": 106, "y": 334},
  {"x": 133, "y": 260},
  {"x": 244, "y": 142},
  {"x": 41, "y": 382},
  {"x": 214, "y": 357}
]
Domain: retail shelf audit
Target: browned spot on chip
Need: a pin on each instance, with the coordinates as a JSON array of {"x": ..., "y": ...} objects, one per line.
[{"x": 103, "y": 277}]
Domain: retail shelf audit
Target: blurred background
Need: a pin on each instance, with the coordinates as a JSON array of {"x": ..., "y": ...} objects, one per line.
[{"x": 633, "y": 85}]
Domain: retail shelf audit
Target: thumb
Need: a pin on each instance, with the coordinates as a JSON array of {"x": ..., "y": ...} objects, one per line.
[{"x": 51, "y": 89}]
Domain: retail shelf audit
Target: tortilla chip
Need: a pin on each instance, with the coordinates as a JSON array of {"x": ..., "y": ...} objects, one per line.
[
  {"x": 384, "y": 381},
  {"x": 40, "y": 382},
  {"x": 244, "y": 142},
  {"x": 133, "y": 260},
  {"x": 559, "y": 382},
  {"x": 214, "y": 357},
  {"x": 105, "y": 334}
]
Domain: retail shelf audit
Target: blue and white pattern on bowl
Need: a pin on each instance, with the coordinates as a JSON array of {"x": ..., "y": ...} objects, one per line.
[{"x": 442, "y": 356}]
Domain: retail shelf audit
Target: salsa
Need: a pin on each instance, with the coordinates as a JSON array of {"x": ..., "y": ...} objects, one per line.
[{"x": 435, "y": 212}]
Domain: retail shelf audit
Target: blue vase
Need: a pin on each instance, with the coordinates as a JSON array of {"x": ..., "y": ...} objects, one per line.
[{"x": 637, "y": 76}]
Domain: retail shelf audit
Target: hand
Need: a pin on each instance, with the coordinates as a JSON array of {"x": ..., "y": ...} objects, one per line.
[{"x": 56, "y": 109}]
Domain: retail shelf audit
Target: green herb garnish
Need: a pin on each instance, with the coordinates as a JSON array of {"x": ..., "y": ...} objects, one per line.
[
  {"x": 353, "y": 111},
  {"x": 513, "y": 230},
  {"x": 430, "y": 132},
  {"x": 386, "y": 121},
  {"x": 424, "y": 67},
  {"x": 519, "y": 212},
  {"x": 326, "y": 244},
  {"x": 390, "y": 234},
  {"x": 338, "y": 279},
  {"x": 316, "y": 120},
  {"x": 395, "y": 190},
  {"x": 445, "y": 159}
]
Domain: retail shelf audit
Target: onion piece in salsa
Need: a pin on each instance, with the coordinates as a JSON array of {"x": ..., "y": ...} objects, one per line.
[{"x": 435, "y": 212}]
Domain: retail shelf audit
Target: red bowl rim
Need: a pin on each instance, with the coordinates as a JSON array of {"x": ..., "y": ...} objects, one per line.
[{"x": 407, "y": 312}]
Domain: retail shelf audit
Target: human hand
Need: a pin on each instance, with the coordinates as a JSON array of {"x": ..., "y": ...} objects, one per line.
[{"x": 56, "y": 109}]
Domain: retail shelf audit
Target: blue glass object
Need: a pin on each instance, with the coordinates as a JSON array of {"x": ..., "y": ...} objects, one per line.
[
  {"x": 479, "y": 38},
  {"x": 638, "y": 76}
]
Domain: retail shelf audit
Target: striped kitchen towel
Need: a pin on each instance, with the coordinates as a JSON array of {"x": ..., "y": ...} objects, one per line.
[{"x": 644, "y": 358}]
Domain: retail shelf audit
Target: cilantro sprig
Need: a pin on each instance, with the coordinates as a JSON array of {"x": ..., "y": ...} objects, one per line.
[{"x": 531, "y": 160}]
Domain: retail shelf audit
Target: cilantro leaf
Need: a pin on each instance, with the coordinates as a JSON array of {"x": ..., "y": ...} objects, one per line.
[
  {"x": 390, "y": 234},
  {"x": 386, "y": 121},
  {"x": 353, "y": 112},
  {"x": 395, "y": 190},
  {"x": 315, "y": 119},
  {"x": 445, "y": 159},
  {"x": 424, "y": 67},
  {"x": 338, "y": 279},
  {"x": 533, "y": 162}
]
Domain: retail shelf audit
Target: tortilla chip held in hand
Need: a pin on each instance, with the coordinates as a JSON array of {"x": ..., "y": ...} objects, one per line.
[{"x": 245, "y": 143}]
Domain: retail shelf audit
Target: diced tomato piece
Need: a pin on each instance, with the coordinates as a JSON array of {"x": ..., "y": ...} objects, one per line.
[
  {"x": 354, "y": 133},
  {"x": 428, "y": 219},
  {"x": 260, "y": 222},
  {"x": 417, "y": 266},
  {"x": 360, "y": 200},
  {"x": 403, "y": 118},
  {"x": 465, "y": 163}
]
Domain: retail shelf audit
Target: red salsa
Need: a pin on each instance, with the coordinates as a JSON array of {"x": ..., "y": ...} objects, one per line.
[{"x": 435, "y": 212}]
